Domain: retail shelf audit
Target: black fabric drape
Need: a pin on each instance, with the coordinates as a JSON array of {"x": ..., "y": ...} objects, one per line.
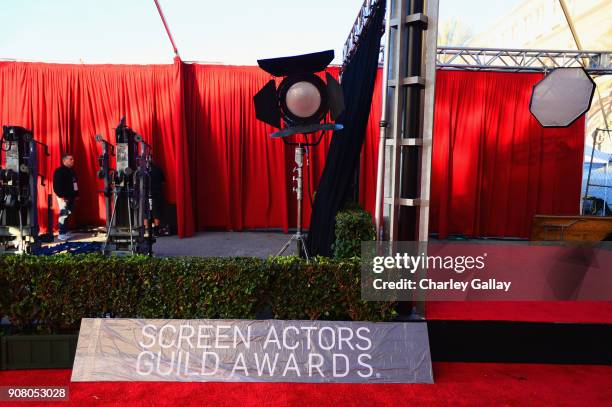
[{"x": 343, "y": 157}]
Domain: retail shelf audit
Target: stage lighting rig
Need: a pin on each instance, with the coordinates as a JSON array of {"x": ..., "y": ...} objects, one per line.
[
  {"x": 19, "y": 227},
  {"x": 302, "y": 99},
  {"x": 127, "y": 192}
]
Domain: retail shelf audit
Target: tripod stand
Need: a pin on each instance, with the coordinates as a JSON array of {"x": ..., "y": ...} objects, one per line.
[
  {"x": 117, "y": 193},
  {"x": 116, "y": 234},
  {"x": 300, "y": 151},
  {"x": 298, "y": 237}
]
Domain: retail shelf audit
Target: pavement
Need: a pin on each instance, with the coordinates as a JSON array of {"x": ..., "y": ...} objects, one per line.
[
  {"x": 209, "y": 244},
  {"x": 225, "y": 244}
]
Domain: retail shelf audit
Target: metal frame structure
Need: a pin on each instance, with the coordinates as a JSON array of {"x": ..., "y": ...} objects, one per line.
[
  {"x": 350, "y": 45},
  {"x": 406, "y": 125},
  {"x": 397, "y": 82},
  {"x": 597, "y": 139},
  {"x": 462, "y": 58},
  {"x": 522, "y": 60}
]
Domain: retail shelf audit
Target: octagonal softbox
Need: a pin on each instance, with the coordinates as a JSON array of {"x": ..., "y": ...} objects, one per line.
[{"x": 562, "y": 97}]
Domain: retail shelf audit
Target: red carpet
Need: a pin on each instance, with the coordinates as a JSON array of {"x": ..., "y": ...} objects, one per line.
[
  {"x": 462, "y": 384},
  {"x": 527, "y": 311}
]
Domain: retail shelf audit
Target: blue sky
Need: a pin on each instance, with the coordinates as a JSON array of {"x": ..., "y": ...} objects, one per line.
[{"x": 230, "y": 31}]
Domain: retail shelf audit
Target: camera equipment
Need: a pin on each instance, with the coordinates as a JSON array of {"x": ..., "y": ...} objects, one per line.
[
  {"x": 126, "y": 192},
  {"x": 105, "y": 172},
  {"x": 19, "y": 191},
  {"x": 302, "y": 101}
]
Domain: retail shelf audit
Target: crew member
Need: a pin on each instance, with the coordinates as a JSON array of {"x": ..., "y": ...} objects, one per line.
[{"x": 66, "y": 190}]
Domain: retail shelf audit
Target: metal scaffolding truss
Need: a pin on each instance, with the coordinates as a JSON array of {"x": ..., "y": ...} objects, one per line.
[
  {"x": 360, "y": 23},
  {"x": 491, "y": 59},
  {"x": 595, "y": 62}
]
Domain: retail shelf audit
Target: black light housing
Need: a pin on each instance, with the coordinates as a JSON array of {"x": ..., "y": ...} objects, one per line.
[{"x": 302, "y": 99}]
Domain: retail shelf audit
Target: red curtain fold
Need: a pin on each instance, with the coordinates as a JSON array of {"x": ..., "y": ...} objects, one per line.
[
  {"x": 494, "y": 167},
  {"x": 369, "y": 153},
  {"x": 183, "y": 189}
]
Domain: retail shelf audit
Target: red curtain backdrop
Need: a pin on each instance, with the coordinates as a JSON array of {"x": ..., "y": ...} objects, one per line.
[
  {"x": 67, "y": 105},
  {"x": 494, "y": 167}
]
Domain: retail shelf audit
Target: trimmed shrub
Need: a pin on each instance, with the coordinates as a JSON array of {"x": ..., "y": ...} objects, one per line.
[
  {"x": 52, "y": 293},
  {"x": 353, "y": 226}
]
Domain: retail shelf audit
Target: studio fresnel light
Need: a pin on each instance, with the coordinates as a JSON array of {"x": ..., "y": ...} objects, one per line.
[{"x": 302, "y": 99}]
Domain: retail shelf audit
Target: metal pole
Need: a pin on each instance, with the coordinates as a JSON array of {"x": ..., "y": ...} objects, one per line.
[
  {"x": 298, "y": 237},
  {"x": 586, "y": 191},
  {"x": 430, "y": 42},
  {"x": 161, "y": 14},
  {"x": 570, "y": 23},
  {"x": 50, "y": 216},
  {"x": 380, "y": 171},
  {"x": 399, "y": 73},
  {"x": 299, "y": 158},
  {"x": 606, "y": 188},
  {"x": 129, "y": 211},
  {"x": 150, "y": 213}
]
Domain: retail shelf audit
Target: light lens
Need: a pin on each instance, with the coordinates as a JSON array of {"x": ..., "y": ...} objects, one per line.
[{"x": 303, "y": 99}]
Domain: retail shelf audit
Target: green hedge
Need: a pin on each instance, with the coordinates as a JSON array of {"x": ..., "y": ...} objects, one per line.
[
  {"x": 53, "y": 293},
  {"x": 353, "y": 226}
]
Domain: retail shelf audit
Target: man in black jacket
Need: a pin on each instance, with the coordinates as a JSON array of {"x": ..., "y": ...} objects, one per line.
[{"x": 66, "y": 188}]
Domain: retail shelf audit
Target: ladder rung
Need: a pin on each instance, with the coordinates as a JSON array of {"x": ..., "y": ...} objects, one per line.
[{"x": 405, "y": 142}]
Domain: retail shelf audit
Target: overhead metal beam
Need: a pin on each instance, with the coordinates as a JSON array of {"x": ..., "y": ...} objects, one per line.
[{"x": 522, "y": 60}]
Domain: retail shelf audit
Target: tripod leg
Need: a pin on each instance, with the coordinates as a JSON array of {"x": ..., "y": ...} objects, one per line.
[
  {"x": 21, "y": 241},
  {"x": 285, "y": 246},
  {"x": 110, "y": 224},
  {"x": 129, "y": 210},
  {"x": 304, "y": 250}
]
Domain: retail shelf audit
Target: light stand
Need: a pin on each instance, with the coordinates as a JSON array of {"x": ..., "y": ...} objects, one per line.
[
  {"x": 300, "y": 152},
  {"x": 150, "y": 238},
  {"x": 302, "y": 101},
  {"x": 298, "y": 237}
]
